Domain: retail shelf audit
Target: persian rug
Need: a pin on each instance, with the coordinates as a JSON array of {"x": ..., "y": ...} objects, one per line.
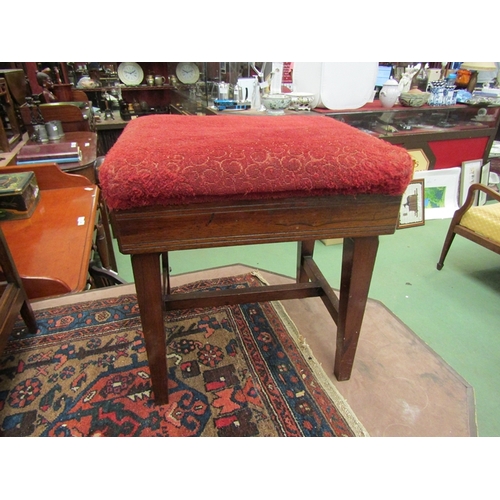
[{"x": 233, "y": 371}]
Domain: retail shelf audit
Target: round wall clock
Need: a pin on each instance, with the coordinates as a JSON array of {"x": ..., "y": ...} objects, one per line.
[
  {"x": 130, "y": 73},
  {"x": 187, "y": 72}
]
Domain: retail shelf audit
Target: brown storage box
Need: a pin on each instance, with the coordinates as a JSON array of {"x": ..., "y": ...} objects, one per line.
[{"x": 19, "y": 195}]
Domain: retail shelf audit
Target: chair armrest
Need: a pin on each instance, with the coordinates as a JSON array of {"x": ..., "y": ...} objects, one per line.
[
  {"x": 480, "y": 187},
  {"x": 469, "y": 200}
]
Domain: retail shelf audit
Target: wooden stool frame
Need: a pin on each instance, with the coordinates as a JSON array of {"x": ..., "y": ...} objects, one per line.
[{"x": 148, "y": 234}]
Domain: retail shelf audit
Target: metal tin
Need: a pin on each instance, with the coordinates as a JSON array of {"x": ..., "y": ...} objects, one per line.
[{"x": 19, "y": 195}]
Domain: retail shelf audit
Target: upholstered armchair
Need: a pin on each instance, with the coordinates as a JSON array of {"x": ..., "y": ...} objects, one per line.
[{"x": 480, "y": 224}]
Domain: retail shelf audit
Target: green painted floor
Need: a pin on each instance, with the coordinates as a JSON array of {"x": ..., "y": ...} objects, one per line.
[{"x": 456, "y": 311}]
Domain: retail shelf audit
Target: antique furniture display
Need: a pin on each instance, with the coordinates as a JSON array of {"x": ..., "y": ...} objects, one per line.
[
  {"x": 13, "y": 298},
  {"x": 101, "y": 277},
  {"x": 480, "y": 224},
  {"x": 182, "y": 182},
  {"x": 18, "y": 91},
  {"x": 10, "y": 130},
  {"x": 446, "y": 135},
  {"x": 88, "y": 167},
  {"x": 79, "y": 96},
  {"x": 16, "y": 83},
  {"x": 104, "y": 239},
  {"x": 52, "y": 248},
  {"x": 74, "y": 116}
]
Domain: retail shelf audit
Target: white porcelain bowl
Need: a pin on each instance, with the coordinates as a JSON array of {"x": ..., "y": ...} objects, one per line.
[
  {"x": 301, "y": 101},
  {"x": 276, "y": 104}
]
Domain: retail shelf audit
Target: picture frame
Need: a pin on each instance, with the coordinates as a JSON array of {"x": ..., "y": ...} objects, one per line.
[
  {"x": 485, "y": 180},
  {"x": 440, "y": 192},
  {"x": 471, "y": 174},
  {"x": 412, "y": 212},
  {"x": 420, "y": 159}
]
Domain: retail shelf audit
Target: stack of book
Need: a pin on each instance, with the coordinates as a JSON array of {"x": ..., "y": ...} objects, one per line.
[{"x": 60, "y": 152}]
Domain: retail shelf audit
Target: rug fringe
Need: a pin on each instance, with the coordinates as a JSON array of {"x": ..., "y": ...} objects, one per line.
[{"x": 315, "y": 366}]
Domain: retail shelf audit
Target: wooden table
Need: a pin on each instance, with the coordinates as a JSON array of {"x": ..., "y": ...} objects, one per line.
[
  {"x": 86, "y": 167},
  {"x": 88, "y": 144},
  {"x": 52, "y": 248}
]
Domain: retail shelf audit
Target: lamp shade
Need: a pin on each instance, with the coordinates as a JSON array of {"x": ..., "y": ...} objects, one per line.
[{"x": 479, "y": 66}]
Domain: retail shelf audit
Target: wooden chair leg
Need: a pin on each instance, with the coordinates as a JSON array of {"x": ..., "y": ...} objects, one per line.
[
  {"x": 13, "y": 297},
  {"x": 358, "y": 261},
  {"x": 147, "y": 278},
  {"x": 106, "y": 228},
  {"x": 102, "y": 246},
  {"x": 29, "y": 316},
  {"x": 450, "y": 236}
]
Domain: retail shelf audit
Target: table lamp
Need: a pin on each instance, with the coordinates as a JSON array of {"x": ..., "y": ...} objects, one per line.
[{"x": 474, "y": 67}]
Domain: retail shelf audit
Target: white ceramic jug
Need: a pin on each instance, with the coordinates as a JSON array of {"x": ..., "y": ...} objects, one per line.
[
  {"x": 389, "y": 93},
  {"x": 246, "y": 85}
]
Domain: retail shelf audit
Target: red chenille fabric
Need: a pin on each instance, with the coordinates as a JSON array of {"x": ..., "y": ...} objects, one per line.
[{"x": 172, "y": 159}]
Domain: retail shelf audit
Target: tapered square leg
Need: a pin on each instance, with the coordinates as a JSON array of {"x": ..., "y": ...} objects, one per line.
[
  {"x": 358, "y": 261},
  {"x": 147, "y": 278},
  {"x": 304, "y": 249}
]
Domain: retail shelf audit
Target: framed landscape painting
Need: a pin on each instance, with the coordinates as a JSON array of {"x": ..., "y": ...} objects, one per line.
[{"x": 440, "y": 192}]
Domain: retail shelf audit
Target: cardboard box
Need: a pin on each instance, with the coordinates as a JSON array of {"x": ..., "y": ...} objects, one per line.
[{"x": 19, "y": 195}]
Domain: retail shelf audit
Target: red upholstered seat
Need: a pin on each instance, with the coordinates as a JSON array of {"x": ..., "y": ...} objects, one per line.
[{"x": 172, "y": 159}]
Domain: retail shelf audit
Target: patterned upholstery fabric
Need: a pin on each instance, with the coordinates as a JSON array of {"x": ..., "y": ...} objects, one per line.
[
  {"x": 172, "y": 159},
  {"x": 484, "y": 220}
]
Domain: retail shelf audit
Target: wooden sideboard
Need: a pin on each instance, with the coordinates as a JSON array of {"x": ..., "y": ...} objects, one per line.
[{"x": 52, "y": 248}]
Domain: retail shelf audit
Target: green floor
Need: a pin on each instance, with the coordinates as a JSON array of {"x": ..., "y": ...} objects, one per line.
[{"x": 455, "y": 311}]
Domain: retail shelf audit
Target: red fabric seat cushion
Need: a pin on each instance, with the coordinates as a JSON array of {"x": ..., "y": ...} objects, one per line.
[{"x": 172, "y": 159}]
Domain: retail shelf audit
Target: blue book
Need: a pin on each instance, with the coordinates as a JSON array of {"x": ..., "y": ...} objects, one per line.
[{"x": 76, "y": 159}]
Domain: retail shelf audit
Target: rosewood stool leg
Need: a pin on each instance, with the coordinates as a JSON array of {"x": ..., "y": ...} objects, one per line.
[
  {"x": 358, "y": 261},
  {"x": 304, "y": 249},
  {"x": 149, "y": 297},
  {"x": 165, "y": 270}
]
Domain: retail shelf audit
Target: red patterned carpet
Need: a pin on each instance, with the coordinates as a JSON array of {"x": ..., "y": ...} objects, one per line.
[{"x": 233, "y": 371}]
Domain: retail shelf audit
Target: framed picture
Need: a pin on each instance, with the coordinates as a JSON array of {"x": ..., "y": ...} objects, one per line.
[
  {"x": 471, "y": 174},
  {"x": 420, "y": 160},
  {"x": 412, "y": 212},
  {"x": 440, "y": 192},
  {"x": 485, "y": 180}
]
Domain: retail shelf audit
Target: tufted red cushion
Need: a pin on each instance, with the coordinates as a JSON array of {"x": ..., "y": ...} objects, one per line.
[{"x": 172, "y": 159}]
